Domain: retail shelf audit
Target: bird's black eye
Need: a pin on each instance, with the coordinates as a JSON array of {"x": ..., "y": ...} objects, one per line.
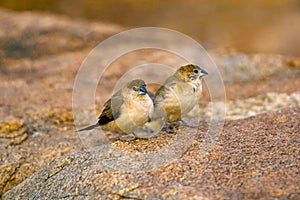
[
  {"x": 135, "y": 88},
  {"x": 196, "y": 71}
]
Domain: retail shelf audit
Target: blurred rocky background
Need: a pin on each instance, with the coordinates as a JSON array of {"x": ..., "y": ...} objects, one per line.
[
  {"x": 250, "y": 26},
  {"x": 256, "y": 47}
]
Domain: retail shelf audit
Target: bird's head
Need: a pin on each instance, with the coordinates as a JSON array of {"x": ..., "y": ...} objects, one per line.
[
  {"x": 191, "y": 73},
  {"x": 136, "y": 88}
]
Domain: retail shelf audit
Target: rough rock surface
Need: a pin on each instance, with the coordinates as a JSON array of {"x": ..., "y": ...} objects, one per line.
[
  {"x": 256, "y": 155},
  {"x": 255, "y": 158}
]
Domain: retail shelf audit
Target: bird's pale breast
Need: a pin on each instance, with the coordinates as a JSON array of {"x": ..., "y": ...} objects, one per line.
[
  {"x": 135, "y": 113},
  {"x": 180, "y": 99}
]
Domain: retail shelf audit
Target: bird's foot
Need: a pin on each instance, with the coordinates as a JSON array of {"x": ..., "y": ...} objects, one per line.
[{"x": 169, "y": 128}]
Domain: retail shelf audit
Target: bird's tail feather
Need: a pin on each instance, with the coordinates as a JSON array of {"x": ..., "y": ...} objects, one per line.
[{"x": 89, "y": 127}]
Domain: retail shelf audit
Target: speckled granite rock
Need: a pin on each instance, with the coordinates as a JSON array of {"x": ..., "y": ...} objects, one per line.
[
  {"x": 244, "y": 108},
  {"x": 39, "y": 57},
  {"x": 255, "y": 157}
]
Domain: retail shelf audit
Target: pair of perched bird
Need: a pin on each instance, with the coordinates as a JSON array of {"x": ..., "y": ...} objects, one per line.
[{"x": 131, "y": 107}]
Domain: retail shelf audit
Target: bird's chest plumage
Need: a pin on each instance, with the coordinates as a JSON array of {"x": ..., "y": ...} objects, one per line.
[
  {"x": 179, "y": 99},
  {"x": 140, "y": 110},
  {"x": 188, "y": 96},
  {"x": 135, "y": 113}
]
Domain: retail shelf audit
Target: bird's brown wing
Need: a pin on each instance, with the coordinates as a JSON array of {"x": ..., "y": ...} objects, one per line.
[
  {"x": 111, "y": 109},
  {"x": 162, "y": 93}
]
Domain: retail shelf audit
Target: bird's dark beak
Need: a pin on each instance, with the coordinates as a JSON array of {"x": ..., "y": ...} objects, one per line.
[
  {"x": 203, "y": 73},
  {"x": 143, "y": 90}
]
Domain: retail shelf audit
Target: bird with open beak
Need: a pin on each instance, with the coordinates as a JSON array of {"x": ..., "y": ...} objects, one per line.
[
  {"x": 126, "y": 111},
  {"x": 179, "y": 94}
]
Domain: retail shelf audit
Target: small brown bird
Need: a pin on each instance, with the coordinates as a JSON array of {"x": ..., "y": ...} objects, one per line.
[
  {"x": 126, "y": 111},
  {"x": 179, "y": 94}
]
